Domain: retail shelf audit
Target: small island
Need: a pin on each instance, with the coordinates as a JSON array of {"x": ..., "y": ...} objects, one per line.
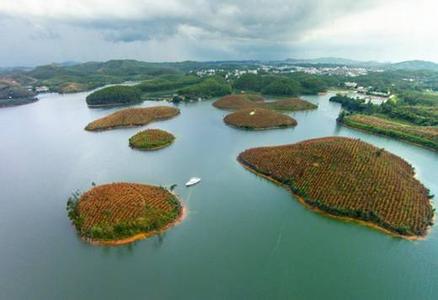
[
  {"x": 151, "y": 139},
  {"x": 114, "y": 96},
  {"x": 131, "y": 117},
  {"x": 120, "y": 213},
  {"x": 350, "y": 179},
  {"x": 244, "y": 101},
  {"x": 290, "y": 104},
  {"x": 259, "y": 119},
  {"x": 238, "y": 101}
]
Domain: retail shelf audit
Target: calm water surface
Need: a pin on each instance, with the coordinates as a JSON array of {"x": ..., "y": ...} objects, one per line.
[{"x": 244, "y": 237}]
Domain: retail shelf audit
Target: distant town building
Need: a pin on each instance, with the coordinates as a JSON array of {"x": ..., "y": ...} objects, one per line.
[
  {"x": 41, "y": 89},
  {"x": 350, "y": 84}
]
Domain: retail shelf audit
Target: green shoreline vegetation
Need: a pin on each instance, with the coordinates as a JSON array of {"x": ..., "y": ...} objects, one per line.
[
  {"x": 116, "y": 213},
  {"x": 114, "y": 95},
  {"x": 151, "y": 139},
  {"x": 411, "y": 119},
  {"x": 422, "y": 135},
  {"x": 349, "y": 178}
]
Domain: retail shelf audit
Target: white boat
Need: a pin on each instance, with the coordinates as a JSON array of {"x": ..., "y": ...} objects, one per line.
[{"x": 193, "y": 181}]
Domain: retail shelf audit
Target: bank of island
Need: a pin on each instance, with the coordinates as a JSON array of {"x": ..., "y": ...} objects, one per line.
[
  {"x": 246, "y": 101},
  {"x": 151, "y": 139},
  {"x": 121, "y": 213},
  {"x": 254, "y": 112},
  {"x": 131, "y": 117},
  {"x": 259, "y": 119},
  {"x": 350, "y": 179}
]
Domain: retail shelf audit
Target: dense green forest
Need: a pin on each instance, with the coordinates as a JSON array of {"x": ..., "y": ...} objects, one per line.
[
  {"x": 91, "y": 75},
  {"x": 168, "y": 82},
  {"x": 210, "y": 87},
  {"x": 423, "y": 111},
  {"x": 114, "y": 95},
  {"x": 414, "y": 121},
  {"x": 284, "y": 85},
  {"x": 415, "y": 89}
]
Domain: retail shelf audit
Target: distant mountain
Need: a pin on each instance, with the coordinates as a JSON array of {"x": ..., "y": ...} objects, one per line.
[
  {"x": 69, "y": 63},
  {"x": 6, "y": 70},
  {"x": 333, "y": 61},
  {"x": 414, "y": 65},
  {"x": 411, "y": 65}
]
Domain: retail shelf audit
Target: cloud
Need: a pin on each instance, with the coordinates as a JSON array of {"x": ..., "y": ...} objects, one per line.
[
  {"x": 203, "y": 29},
  {"x": 131, "y": 20}
]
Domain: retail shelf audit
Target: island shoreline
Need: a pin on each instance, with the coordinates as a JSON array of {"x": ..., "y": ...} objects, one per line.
[
  {"x": 325, "y": 213},
  {"x": 259, "y": 129},
  {"x": 142, "y": 235},
  {"x": 151, "y": 149}
]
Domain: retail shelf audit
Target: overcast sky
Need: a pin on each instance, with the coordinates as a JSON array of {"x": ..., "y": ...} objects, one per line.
[{"x": 43, "y": 31}]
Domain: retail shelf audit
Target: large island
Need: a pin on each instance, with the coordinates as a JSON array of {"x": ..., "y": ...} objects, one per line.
[{"x": 350, "y": 179}]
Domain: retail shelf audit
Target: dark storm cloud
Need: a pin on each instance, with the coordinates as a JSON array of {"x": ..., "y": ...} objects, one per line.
[
  {"x": 36, "y": 31},
  {"x": 240, "y": 21}
]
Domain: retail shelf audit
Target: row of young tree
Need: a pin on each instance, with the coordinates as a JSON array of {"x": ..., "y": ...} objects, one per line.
[{"x": 347, "y": 177}]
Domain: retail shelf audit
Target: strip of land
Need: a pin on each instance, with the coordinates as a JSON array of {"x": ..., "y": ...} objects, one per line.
[{"x": 422, "y": 135}]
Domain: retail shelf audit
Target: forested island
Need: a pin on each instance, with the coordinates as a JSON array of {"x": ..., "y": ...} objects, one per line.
[
  {"x": 351, "y": 179},
  {"x": 151, "y": 139},
  {"x": 259, "y": 119},
  {"x": 131, "y": 117},
  {"x": 120, "y": 213},
  {"x": 245, "y": 101}
]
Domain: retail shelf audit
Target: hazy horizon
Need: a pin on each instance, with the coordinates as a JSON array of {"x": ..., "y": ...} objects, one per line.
[
  {"x": 42, "y": 32},
  {"x": 74, "y": 62}
]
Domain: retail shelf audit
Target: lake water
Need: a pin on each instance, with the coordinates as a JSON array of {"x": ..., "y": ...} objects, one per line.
[{"x": 244, "y": 237}]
